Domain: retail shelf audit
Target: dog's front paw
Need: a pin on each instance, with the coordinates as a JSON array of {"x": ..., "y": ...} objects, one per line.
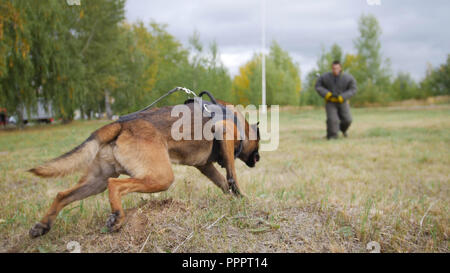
[
  {"x": 114, "y": 221},
  {"x": 39, "y": 229},
  {"x": 234, "y": 188}
]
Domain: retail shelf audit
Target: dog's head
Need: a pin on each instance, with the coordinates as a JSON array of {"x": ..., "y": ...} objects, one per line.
[{"x": 250, "y": 153}]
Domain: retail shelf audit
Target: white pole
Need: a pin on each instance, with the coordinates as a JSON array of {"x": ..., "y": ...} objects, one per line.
[{"x": 263, "y": 51}]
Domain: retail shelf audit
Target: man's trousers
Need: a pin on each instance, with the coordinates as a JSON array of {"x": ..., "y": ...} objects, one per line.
[{"x": 338, "y": 118}]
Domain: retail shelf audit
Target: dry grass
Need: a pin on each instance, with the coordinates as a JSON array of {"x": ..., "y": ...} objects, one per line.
[{"x": 389, "y": 183}]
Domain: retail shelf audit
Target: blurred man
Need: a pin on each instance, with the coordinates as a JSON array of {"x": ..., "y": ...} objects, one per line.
[{"x": 336, "y": 88}]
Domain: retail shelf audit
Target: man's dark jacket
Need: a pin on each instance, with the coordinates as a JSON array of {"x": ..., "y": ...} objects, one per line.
[{"x": 343, "y": 85}]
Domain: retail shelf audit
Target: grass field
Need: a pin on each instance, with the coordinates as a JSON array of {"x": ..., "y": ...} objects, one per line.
[{"x": 389, "y": 182}]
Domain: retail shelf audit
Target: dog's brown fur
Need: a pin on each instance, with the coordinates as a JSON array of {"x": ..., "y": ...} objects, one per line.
[{"x": 143, "y": 149}]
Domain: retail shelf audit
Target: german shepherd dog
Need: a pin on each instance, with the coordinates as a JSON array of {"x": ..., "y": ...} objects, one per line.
[{"x": 143, "y": 149}]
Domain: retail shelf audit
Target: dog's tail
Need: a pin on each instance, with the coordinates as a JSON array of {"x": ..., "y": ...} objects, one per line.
[{"x": 81, "y": 156}]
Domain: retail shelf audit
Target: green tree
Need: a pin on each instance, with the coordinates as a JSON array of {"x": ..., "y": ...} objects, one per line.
[
  {"x": 371, "y": 71},
  {"x": 218, "y": 79},
  {"x": 437, "y": 80},
  {"x": 172, "y": 61},
  {"x": 16, "y": 68},
  {"x": 283, "y": 77},
  {"x": 65, "y": 56},
  {"x": 135, "y": 77},
  {"x": 404, "y": 87},
  {"x": 39, "y": 43},
  {"x": 99, "y": 32},
  {"x": 335, "y": 54},
  {"x": 58, "y": 72},
  {"x": 205, "y": 70},
  {"x": 283, "y": 82}
]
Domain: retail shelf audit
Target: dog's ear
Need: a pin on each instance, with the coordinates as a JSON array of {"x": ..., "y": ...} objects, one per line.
[{"x": 256, "y": 128}]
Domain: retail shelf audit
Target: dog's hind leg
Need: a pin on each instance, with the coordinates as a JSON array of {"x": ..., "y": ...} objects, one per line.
[
  {"x": 93, "y": 182},
  {"x": 147, "y": 161},
  {"x": 119, "y": 187}
]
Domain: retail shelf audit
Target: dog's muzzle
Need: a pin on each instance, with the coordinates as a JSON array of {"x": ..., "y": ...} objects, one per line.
[{"x": 252, "y": 159}]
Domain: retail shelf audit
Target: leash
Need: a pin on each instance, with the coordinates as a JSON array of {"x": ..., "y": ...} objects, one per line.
[{"x": 132, "y": 115}]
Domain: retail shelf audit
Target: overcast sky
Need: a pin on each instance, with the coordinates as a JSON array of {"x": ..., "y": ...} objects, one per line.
[{"x": 415, "y": 32}]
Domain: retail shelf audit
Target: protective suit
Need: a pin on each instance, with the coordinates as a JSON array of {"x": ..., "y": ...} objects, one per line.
[{"x": 336, "y": 90}]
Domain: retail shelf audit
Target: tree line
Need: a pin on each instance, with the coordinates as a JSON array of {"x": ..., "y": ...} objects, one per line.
[{"x": 88, "y": 58}]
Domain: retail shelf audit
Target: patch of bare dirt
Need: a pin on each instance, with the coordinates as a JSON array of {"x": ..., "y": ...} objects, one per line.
[
  {"x": 142, "y": 223},
  {"x": 170, "y": 226}
]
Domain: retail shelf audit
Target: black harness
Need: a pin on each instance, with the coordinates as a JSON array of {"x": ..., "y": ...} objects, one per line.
[{"x": 226, "y": 114}]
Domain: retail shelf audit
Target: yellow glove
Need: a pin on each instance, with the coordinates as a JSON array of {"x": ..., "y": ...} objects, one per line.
[
  {"x": 328, "y": 96},
  {"x": 338, "y": 99}
]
